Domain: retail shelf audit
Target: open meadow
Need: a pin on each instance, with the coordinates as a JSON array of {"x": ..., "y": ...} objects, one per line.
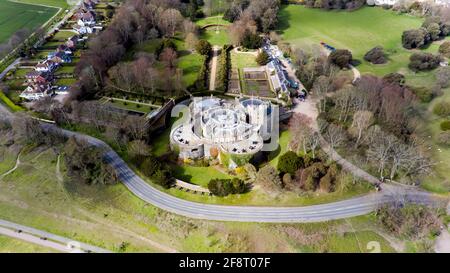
[{"x": 15, "y": 16}]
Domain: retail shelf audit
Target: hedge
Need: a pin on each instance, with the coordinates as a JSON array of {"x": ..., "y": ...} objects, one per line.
[
  {"x": 224, "y": 68},
  {"x": 445, "y": 125}
]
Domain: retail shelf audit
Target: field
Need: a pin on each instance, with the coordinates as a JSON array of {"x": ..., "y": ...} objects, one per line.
[
  {"x": 440, "y": 182},
  {"x": 10, "y": 245},
  {"x": 40, "y": 195},
  {"x": 216, "y": 37},
  {"x": 358, "y": 31},
  {"x": 15, "y": 16},
  {"x": 54, "y": 3}
]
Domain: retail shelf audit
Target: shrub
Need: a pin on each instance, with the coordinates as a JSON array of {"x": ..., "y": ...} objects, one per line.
[
  {"x": 165, "y": 43},
  {"x": 341, "y": 57},
  {"x": 442, "y": 108},
  {"x": 444, "y": 138},
  {"x": 203, "y": 47},
  {"x": 376, "y": 55},
  {"x": 444, "y": 49},
  {"x": 415, "y": 38},
  {"x": 445, "y": 125},
  {"x": 423, "y": 93},
  {"x": 153, "y": 169},
  {"x": 263, "y": 58},
  {"x": 224, "y": 187},
  {"x": 422, "y": 61},
  {"x": 395, "y": 78},
  {"x": 289, "y": 163}
]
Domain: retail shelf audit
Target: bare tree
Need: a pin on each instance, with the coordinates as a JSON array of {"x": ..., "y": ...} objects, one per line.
[
  {"x": 361, "y": 121},
  {"x": 334, "y": 135}
]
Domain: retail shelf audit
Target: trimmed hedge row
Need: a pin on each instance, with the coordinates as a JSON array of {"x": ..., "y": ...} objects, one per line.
[
  {"x": 201, "y": 83},
  {"x": 224, "y": 68}
]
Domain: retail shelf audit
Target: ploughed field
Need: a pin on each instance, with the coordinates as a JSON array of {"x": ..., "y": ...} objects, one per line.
[{"x": 15, "y": 16}]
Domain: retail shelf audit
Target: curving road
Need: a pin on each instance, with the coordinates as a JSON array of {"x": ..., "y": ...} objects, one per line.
[{"x": 316, "y": 213}]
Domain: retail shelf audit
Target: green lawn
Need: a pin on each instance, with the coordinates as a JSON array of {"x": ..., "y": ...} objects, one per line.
[
  {"x": 54, "y": 3},
  {"x": 440, "y": 181},
  {"x": 5, "y": 100},
  {"x": 63, "y": 35},
  {"x": 190, "y": 64},
  {"x": 15, "y": 16},
  {"x": 198, "y": 175},
  {"x": 283, "y": 141},
  {"x": 12, "y": 245},
  {"x": 216, "y": 36},
  {"x": 66, "y": 81},
  {"x": 137, "y": 107},
  {"x": 212, "y": 20},
  {"x": 358, "y": 31}
]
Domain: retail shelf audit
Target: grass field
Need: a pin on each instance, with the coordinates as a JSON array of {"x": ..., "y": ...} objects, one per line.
[
  {"x": 54, "y": 3},
  {"x": 11, "y": 245},
  {"x": 215, "y": 37},
  {"x": 40, "y": 196},
  {"x": 212, "y": 20},
  {"x": 358, "y": 31},
  {"x": 15, "y": 16},
  {"x": 440, "y": 181}
]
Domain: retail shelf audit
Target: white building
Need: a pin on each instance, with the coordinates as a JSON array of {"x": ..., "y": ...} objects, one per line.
[{"x": 216, "y": 126}]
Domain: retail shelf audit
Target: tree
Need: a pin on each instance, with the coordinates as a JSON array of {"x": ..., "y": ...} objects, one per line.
[
  {"x": 289, "y": 162},
  {"x": 380, "y": 149},
  {"x": 152, "y": 168},
  {"x": 334, "y": 135},
  {"x": 27, "y": 130},
  {"x": 85, "y": 163},
  {"x": 191, "y": 41},
  {"x": 169, "y": 57},
  {"x": 376, "y": 55},
  {"x": 251, "y": 40},
  {"x": 361, "y": 121},
  {"x": 171, "y": 20},
  {"x": 320, "y": 89},
  {"x": 203, "y": 47},
  {"x": 263, "y": 58},
  {"x": 138, "y": 149},
  {"x": 434, "y": 31},
  {"x": 341, "y": 57}
]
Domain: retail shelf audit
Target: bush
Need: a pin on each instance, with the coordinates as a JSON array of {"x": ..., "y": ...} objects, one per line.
[
  {"x": 395, "y": 78},
  {"x": 224, "y": 187},
  {"x": 445, "y": 125},
  {"x": 423, "y": 93},
  {"x": 415, "y": 38},
  {"x": 444, "y": 49},
  {"x": 153, "y": 169},
  {"x": 422, "y": 61},
  {"x": 442, "y": 108},
  {"x": 263, "y": 58},
  {"x": 289, "y": 163},
  {"x": 203, "y": 47},
  {"x": 341, "y": 57},
  {"x": 411, "y": 220},
  {"x": 376, "y": 55},
  {"x": 444, "y": 138}
]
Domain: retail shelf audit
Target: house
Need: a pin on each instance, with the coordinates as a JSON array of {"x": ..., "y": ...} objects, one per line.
[
  {"x": 85, "y": 18},
  {"x": 39, "y": 77},
  {"x": 82, "y": 30},
  {"x": 64, "y": 49},
  {"x": 62, "y": 90},
  {"x": 89, "y": 4},
  {"x": 59, "y": 57},
  {"x": 72, "y": 42},
  {"x": 36, "y": 91},
  {"x": 277, "y": 77},
  {"x": 46, "y": 66}
]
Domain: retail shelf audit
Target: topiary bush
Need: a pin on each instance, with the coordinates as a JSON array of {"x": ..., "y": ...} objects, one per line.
[
  {"x": 445, "y": 125},
  {"x": 442, "y": 109}
]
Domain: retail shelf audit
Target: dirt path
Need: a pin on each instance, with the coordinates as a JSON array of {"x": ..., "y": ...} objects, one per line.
[
  {"x": 212, "y": 79},
  {"x": 14, "y": 168}
]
